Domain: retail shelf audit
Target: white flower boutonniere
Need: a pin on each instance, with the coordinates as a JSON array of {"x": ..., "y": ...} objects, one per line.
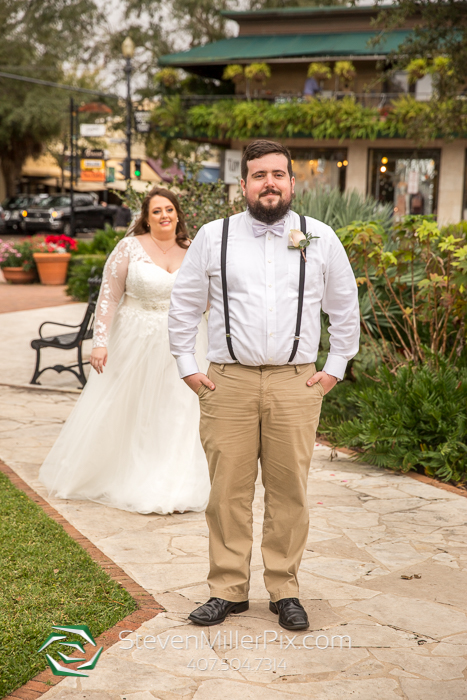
[{"x": 297, "y": 239}]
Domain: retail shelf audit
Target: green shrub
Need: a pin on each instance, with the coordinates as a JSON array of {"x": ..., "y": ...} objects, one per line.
[
  {"x": 81, "y": 268},
  {"x": 104, "y": 241},
  {"x": 412, "y": 287},
  {"x": 413, "y": 418}
]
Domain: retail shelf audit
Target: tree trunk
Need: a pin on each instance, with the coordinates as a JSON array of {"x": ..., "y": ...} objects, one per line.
[
  {"x": 11, "y": 173},
  {"x": 12, "y": 160}
]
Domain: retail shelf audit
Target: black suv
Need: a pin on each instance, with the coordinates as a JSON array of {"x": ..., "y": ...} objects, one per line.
[
  {"x": 53, "y": 214},
  {"x": 12, "y": 208}
]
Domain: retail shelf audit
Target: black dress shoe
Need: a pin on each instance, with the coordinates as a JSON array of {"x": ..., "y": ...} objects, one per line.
[
  {"x": 215, "y": 611},
  {"x": 292, "y": 615}
]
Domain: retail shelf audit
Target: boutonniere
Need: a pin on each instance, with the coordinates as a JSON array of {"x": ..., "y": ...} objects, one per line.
[{"x": 299, "y": 240}]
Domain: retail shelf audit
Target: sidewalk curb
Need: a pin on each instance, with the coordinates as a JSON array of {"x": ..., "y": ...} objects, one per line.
[{"x": 147, "y": 606}]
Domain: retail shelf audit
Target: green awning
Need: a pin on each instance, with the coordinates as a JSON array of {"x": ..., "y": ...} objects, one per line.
[{"x": 256, "y": 48}]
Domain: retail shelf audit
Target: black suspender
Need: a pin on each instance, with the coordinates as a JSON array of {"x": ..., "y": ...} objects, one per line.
[
  {"x": 225, "y": 234},
  {"x": 301, "y": 288}
]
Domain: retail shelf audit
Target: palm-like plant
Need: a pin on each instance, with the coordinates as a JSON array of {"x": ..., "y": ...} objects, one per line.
[{"x": 338, "y": 209}]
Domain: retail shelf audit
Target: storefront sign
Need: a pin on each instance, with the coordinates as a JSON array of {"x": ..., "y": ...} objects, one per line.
[
  {"x": 92, "y": 153},
  {"x": 92, "y": 130},
  {"x": 92, "y": 170},
  {"x": 142, "y": 121},
  {"x": 232, "y": 165}
]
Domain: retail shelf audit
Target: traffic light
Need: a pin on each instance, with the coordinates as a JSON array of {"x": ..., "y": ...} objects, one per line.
[
  {"x": 121, "y": 169},
  {"x": 137, "y": 170}
]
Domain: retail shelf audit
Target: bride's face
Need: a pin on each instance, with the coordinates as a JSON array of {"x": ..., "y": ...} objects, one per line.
[{"x": 162, "y": 217}]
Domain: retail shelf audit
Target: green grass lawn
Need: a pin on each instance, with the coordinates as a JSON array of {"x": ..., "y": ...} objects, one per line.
[{"x": 46, "y": 579}]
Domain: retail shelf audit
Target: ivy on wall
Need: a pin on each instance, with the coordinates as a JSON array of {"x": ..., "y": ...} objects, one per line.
[{"x": 319, "y": 118}]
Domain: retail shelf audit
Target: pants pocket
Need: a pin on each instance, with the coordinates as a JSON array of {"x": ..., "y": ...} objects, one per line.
[{"x": 201, "y": 390}]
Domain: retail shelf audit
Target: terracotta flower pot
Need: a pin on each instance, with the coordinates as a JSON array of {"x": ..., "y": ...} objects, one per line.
[
  {"x": 16, "y": 275},
  {"x": 52, "y": 267}
]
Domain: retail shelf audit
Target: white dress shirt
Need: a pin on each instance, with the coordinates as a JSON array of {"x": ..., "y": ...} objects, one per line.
[{"x": 262, "y": 283}]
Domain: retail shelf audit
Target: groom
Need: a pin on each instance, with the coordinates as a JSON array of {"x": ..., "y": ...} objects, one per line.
[{"x": 261, "y": 397}]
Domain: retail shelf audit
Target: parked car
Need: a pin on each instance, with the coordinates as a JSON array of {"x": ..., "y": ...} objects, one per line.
[
  {"x": 13, "y": 206},
  {"x": 53, "y": 214}
]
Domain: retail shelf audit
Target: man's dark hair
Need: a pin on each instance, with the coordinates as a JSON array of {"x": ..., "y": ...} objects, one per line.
[{"x": 260, "y": 148}]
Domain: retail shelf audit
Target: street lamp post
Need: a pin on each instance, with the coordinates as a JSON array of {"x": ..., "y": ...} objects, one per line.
[
  {"x": 72, "y": 165},
  {"x": 128, "y": 50}
]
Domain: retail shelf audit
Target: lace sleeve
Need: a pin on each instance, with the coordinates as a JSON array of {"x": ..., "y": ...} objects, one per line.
[{"x": 112, "y": 290}]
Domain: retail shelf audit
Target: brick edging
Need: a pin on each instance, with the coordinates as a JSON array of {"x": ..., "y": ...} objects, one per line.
[
  {"x": 412, "y": 475},
  {"x": 147, "y": 606},
  {"x": 438, "y": 484}
]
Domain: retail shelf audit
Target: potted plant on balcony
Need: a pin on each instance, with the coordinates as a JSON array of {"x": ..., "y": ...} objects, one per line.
[
  {"x": 17, "y": 262},
  {"x": 259, "y": 73},
  {"x": 345, "y": 72},
  {"x": 167, "y": 80},
  {"x": 319, "y": 71},
  {"x": 52, "y": 256},
  {"x": 233, "y": 72}
]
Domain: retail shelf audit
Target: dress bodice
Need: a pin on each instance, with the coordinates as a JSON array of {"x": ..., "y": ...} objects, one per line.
[
  {"x": 134, "y": 284},
  {"x": 148, "y": 286}
]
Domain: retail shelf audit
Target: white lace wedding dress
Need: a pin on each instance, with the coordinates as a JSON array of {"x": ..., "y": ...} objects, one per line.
[{"x": 132, "y": 440}]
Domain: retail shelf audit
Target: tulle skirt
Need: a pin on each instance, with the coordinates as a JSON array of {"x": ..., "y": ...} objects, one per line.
[{"x": 132, "y": 440}]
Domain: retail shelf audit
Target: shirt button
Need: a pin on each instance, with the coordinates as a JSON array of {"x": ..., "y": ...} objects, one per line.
[
  {"x": 270, "y": 335},
  {"x": 270, "y": 308},
  {"x": 269, "y": 261},
  {"x": 269, "y": 238},
  {"x": 270, "y": 359},
  {"x": 269, "y": 285}
]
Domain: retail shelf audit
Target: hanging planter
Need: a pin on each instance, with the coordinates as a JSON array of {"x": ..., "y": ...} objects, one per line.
[
  {"x": 18, "y": 275},
  {"x": 52, "y": 258}
]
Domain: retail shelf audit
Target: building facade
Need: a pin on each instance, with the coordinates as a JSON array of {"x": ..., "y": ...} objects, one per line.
[{"x": 418, "y": 180}]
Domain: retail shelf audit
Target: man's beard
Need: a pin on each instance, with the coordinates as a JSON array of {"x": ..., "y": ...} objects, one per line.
[{"x": 269, "y": 215}]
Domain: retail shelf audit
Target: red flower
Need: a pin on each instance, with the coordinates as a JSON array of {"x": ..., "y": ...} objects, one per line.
[{"x": 61, "y": 241}]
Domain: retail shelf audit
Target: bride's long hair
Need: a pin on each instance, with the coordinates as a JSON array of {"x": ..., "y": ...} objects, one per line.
[{"x": 141, "y": 224}]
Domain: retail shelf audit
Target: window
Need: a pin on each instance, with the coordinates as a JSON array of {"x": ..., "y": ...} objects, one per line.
[
  {"x": 54, "y": 201},
  {"x": 83, "y": 200},
  {"x": 406, "y": 179},
  {"x": 319, "y": 167}
]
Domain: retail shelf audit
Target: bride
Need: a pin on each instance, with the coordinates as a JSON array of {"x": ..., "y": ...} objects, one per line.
[{"x": 132, "y": 440}]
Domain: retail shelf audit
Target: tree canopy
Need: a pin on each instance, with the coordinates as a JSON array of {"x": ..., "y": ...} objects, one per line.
[
  {"x": 440, "y": 30},
  {"x": 36, "y": 39}
]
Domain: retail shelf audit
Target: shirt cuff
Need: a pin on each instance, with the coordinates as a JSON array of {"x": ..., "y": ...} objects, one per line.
[
  {"x": 187, "y": 365},
  {"x": 335, "y": 366}
]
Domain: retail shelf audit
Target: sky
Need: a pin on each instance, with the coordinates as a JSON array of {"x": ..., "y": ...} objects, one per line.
[{"x": 114, "y": 11}]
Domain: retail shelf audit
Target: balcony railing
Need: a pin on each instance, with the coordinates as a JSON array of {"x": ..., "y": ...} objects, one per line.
[{"x": 367, "y": 99}]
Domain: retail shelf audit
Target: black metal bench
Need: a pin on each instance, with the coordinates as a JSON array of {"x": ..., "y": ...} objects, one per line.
[{"x": 68, "y": 341}]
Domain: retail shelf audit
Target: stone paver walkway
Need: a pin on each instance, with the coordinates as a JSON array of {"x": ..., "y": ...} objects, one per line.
[
  {"x": 17, "y": 358},
  {"x": 19, "y": 297},
  {"x": 368, "y": 527}
]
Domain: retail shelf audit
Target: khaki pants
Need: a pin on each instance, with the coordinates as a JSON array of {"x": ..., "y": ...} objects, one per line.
[{"x": 266, "y": 413}]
